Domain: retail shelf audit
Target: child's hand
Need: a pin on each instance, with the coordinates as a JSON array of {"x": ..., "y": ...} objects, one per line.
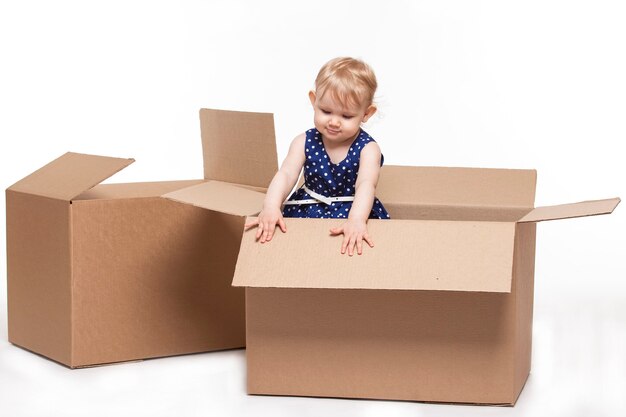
[
  {"x": 266, "y": 222},
  {"x": 354, "y": 233}
]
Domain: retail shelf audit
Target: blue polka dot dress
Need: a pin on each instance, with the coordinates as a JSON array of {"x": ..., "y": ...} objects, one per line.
[{"x": 330, "y": 180}]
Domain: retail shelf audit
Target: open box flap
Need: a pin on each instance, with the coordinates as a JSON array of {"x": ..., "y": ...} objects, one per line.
[
  {"x": 444, "y": 186},
  {"x": 566, "y": 211},
  {"x": 220, "y": 196},
  {"x": 408, "y": 255},
  {"x": 238, "y": 147},
  {"x": 70, "y": 175}
]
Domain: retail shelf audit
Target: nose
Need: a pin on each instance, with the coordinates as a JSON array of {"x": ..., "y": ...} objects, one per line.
[{"x": 334, "y": 122}]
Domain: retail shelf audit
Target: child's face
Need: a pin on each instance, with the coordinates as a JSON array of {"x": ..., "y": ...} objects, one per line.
[{"x": 336, "y": 122}]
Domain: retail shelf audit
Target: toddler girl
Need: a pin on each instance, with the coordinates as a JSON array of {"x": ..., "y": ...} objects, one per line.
[{"x": 341, "y": 161}]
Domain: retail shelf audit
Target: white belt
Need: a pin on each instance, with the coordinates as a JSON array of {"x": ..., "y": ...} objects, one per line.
[{"x": 318, "y": 198}]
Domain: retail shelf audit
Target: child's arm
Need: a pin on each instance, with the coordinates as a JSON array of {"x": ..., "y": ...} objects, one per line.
[
  {"x": 354, "y": 230},
  {"x": 279, "y": 188}
]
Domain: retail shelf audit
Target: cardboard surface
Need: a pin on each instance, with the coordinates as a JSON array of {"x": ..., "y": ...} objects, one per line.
[
  {"x": 39, "y": 274},
  {"x": 567, "y": 211},
  {"x": 442, "y": 346},
  {"x": 404, "y": 211},
  {"x": 69, "y": 175},
  {"x": 421, "y": 345},
  {"x": 238, "y": 147},
  {"x": 220, "y": 196},
  {"x": 444, "y": 186},
  {"x": 408, "y": 255},
  {"x": 523, "y": 291},
  {"x": 151, "y": 283},
  {"x": 402, "y": 345}
]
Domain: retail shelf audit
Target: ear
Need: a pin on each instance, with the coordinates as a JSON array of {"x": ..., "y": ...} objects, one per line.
[
  {"x": 369, "y": 113},
  {"x": 312, "y": 97}
]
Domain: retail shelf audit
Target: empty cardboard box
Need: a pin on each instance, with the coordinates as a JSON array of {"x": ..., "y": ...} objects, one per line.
[
  {"x": 113, "y": 272},
  {"x": 440, "y": 310}
]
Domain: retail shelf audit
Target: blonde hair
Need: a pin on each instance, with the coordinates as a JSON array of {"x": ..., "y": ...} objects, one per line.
[{"x": 350, "y": 81}]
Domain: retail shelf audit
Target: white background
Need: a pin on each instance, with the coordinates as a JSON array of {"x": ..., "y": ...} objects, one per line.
[{"x": 534, "y": 84}]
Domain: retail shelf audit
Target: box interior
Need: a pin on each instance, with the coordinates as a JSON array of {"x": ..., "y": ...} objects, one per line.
[
  {"x": 461, "y": 194},
  {"x": 134, "y": 190}
]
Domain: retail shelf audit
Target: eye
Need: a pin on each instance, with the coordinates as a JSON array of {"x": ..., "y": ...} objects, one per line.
[
  {"x": 347, "y": 116},
  {"x": 325, "y": 111}
]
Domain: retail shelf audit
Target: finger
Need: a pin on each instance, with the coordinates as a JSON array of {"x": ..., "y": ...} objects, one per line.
[
  {"x": 265, "y": 228},
  {"x": 369, "y": 240},
  {"x": 259, "y": 231},
  {"x": 336, "y": 231},
  {"x": 268, "y": 231},
  {"x": 344, "y": 244},
  {"x": 351, "y": 247},
  {"x": 251, "y": 225},
  {"x": 359, "y": 246},
  {"x": 282, "y": 225}
]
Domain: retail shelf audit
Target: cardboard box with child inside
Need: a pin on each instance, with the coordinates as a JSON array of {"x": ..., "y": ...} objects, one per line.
[{"x": 440, "y": 310}]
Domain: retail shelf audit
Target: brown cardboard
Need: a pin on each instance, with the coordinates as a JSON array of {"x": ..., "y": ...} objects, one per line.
[
  {"x": 114, "y": 272},
  {"x": 238, "y": 147},
  {"x": 482, "y": 250},
  {"x": 440, "y": 310},
  {"x": 221, "y": 197},
  {"x": 567, "y": 211},
  {"x": 59, "y": 178}
]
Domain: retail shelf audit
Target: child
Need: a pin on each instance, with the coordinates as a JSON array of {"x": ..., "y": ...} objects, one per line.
[{"x": 341, "y": 161}]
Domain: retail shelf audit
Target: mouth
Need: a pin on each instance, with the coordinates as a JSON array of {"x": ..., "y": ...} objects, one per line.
[{"x": 333, "y": 131}]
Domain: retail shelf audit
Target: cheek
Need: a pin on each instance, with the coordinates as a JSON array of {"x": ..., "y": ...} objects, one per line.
[
  {"x": 320, "y": 117},
  {"x": 317, "y": 120},
  {"x": 354, "y": 124}
]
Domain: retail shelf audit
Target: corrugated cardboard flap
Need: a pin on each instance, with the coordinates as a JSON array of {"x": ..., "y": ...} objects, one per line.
[
  {"x": 220, "y": 196},
  {"x": 69, "y": 175},
  {"x": 566, "y": 211},
  {"x": 408, "y": 255},
  {"x": 238, "y": 147}
]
